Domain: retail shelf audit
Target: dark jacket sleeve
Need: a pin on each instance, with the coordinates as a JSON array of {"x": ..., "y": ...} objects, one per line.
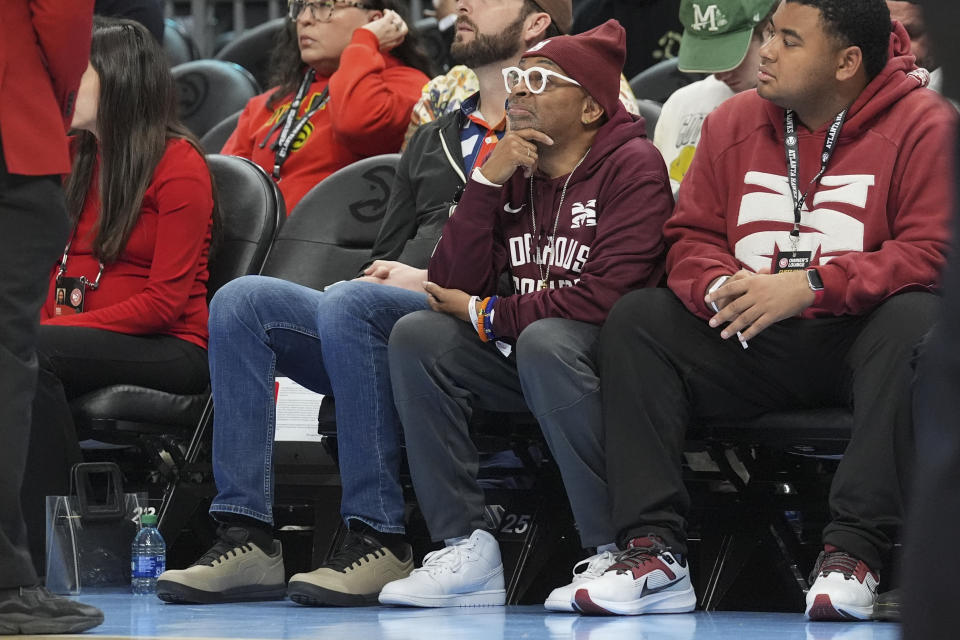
[
  {"x": 420, "y": 199},
  {"x": 471, "y": 254}
]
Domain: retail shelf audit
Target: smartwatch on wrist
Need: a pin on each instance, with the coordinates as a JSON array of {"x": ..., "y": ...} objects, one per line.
[{"x": 814, "y": 281}]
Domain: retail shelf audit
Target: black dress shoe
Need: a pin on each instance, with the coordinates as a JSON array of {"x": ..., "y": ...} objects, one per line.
[
  {"x": 888, "y": 606},
  {"x": 34, "y": 610}
]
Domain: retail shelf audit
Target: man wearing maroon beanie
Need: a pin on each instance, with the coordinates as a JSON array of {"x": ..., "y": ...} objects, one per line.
[{"x": 570, "y": 204}]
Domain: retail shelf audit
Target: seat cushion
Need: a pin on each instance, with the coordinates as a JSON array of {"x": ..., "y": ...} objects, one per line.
[
  {"x": 131, "y": 404},
  {"x": 781, "y": 428}
]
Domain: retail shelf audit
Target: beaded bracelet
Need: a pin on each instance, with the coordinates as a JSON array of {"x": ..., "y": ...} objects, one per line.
[
  {"x": 481, "y": 315},
  {"x": 488, "y": 318}
]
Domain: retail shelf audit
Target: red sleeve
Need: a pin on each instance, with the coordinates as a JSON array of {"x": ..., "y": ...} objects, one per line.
[
  {"x": 697, "y": 232},
  {"x": 918, "y": 215},
  {"x": 626, "y": 254},
  {"x": 241, "y": 141},
  {"x": 370, "y": 103},
  {"x": 63, "y": 31},
  {"x": 185, "y": 204}
]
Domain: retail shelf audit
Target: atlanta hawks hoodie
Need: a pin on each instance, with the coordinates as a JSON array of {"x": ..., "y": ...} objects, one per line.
[
  {"x": 877, "y": 225},
  {"x": 609, "y": 237}
]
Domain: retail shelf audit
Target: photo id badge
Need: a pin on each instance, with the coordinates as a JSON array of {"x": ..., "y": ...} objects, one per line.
[
  {"x": 69, "y": 296},
  {"x": 790, "y": 261}
]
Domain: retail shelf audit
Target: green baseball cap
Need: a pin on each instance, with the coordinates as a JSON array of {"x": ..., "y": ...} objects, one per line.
[{"x": 716, "y": 33}]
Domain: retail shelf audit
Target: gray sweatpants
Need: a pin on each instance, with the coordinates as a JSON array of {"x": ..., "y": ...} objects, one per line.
[{"x": 441, "y": 371}]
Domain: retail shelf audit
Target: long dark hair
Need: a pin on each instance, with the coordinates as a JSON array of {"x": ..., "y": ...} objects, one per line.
[
  {"x": 136, "y": 116},
  {"x": 287, "y": 69}
]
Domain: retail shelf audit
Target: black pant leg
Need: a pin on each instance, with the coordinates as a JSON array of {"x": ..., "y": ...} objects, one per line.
[
  {"x": 35, "y": 228},
  {"x": 866, "y": 496},
  {"x": 660, "y": 367},
  {"x": 83, "y": 359}
]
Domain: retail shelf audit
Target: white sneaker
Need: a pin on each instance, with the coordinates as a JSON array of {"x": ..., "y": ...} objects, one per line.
[
  {"x": 467, "y": 574},
  {"x": 561, "y": 598},
  {"x": 844, "y": 589},
  {"x": 646, "y": 578}
]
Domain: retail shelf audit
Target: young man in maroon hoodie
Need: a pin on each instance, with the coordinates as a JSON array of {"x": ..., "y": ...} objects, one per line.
[
  {"x": 570, "y": 204},
  {"x": 811, "y": 228}
]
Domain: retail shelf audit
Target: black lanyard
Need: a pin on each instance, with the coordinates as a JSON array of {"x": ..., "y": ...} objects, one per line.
[
  {"x": 292, "y": 126},
  {"x": 93, "y": 284},
  {"x": 791, "y": 144}
]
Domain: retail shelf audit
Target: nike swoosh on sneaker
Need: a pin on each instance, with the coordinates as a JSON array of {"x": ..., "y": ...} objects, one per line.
[
  {"x": 646, "y": 590},
  {"x": 510, "y": 209}
]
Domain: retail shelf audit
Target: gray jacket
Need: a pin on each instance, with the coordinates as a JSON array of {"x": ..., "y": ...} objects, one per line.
[{"x": 429, "y": 178}]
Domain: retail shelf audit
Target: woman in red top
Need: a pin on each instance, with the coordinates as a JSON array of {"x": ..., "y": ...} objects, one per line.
[
  {"x": 353, "y": 73},
  {"x": 127, "y": 301}
]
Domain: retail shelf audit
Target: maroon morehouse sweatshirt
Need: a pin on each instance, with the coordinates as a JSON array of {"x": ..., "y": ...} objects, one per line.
[{"x": 609, "y": 236}]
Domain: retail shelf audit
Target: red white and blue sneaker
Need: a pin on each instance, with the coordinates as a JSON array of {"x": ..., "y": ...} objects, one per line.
[
  {"x": 844, "y": 587},
  {"x": 646, "y": 578}
]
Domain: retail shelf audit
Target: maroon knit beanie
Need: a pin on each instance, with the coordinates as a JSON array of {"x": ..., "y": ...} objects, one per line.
[{"x": 593, "y": 58}]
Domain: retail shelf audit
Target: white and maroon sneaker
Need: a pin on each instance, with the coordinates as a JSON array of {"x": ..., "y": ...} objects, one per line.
[
  {"x": 646, "y": 578},
  {"x": 844, "y": 587},
  {"x": 561, "y": 598}
]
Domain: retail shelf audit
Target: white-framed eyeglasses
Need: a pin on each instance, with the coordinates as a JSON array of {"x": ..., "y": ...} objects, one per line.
[
  {"x": 321, "y": 11},
  {"x": 534, "y": 77}
]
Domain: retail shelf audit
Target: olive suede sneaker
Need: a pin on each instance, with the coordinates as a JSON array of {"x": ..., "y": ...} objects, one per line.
[
  {"x": 354, "y": 576},
  {"x": 233, "y": 570}
]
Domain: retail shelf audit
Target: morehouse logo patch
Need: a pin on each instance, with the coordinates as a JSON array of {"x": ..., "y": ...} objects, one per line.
[{"x": 584, "y": 215}]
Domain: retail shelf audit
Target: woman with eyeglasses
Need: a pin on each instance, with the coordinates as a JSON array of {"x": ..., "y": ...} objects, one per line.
[
  {"x": 126, "y": 302},
  {"x": 348, "y": 74}
]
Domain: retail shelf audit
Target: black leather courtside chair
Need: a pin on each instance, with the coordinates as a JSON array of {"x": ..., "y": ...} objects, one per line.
[
  {"x": 779, "y": 463},
  {"x": 213, "y": 140},
  {"x": 160, "y": 423},
  {"x": 211, "y": 90},
  {"x": 329, "y": 235},
  {"x": 659, "y": 81},
  {"x": 177, "y": 43},
  {"x": 650, "y": 110},
  {"x": 251, "y": 49}
]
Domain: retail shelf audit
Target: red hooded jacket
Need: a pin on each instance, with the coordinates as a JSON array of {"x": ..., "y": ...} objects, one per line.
[{"x": 879, "y": 219}]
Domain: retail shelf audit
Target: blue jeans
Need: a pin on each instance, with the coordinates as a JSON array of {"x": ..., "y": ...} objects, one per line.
[{"x": 332, "y": 342}]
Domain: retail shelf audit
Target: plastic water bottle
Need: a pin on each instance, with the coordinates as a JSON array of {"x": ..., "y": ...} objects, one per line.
[{"x": 148, "y": 557}]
